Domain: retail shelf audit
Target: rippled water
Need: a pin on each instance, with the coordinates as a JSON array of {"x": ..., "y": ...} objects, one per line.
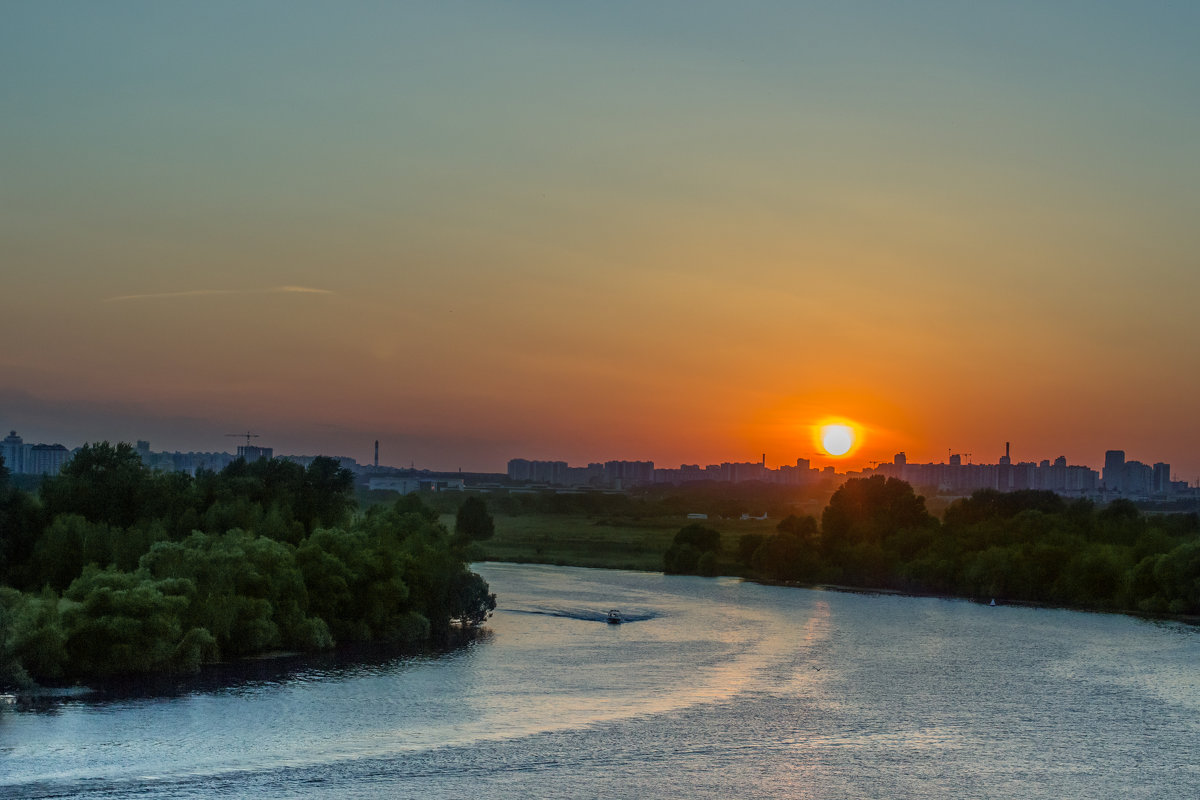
[{"x": 713, "y": 688}]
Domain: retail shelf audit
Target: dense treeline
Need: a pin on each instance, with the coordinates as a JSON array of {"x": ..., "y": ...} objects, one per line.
[
  {"x": 113, "y": 569},
  {"x": 1030, "y": 546},
  {"x": 717, "y": 499}
]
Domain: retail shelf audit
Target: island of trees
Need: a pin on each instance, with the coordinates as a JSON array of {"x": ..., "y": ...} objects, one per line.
[
  {"x": 1027, "y": 546},
  {"x": 110, "y": 569}
]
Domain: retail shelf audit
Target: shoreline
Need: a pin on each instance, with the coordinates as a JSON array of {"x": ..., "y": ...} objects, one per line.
[
  {"x": 1187, "y": 619},
  {"x": 268, "y": 666}
]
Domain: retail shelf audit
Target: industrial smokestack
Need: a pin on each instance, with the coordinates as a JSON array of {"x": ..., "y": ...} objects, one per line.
[
  {"x": 764, "y": 462},
  {"x": 376, "y": 454},
  {"x": 1006, "y": 453}
]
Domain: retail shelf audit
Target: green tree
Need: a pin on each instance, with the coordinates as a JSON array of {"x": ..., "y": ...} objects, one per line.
[
  {"x": 122, "y": 623},
  {"x": 865, "y": 510},
  {"x": 68, "y": 544},
  {"x": 21, "y": 524},
  {"x": 327, "y": 495},
  {"x": 101, "y": 483},
  {"x": 473, "y": 523},
  {"x": 691, "y": 544},
  {"x": 699, "y": 536},
  {"x": 681, "y": 559},
  {"x": 748, "y": 544}
]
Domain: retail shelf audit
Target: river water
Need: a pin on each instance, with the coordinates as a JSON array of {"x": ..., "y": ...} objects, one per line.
[{"x": 712, "y": 688}]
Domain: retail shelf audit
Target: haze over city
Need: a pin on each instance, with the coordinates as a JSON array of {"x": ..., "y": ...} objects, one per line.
[{"x": 683, "y": 232}]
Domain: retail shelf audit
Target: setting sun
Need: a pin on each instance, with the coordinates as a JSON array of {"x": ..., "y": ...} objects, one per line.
[{"x": 837, "y": 439}]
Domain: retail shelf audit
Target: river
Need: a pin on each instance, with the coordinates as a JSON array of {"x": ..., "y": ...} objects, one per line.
[{"x": 712, "y": 688}]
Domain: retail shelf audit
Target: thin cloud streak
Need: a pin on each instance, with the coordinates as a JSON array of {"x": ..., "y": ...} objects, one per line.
[
  {"x": 207, "y": 292},
  {"x": 301, "y": 290}
]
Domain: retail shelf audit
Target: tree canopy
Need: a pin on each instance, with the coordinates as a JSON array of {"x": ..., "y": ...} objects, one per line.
[{"x": 117, "y": 570}]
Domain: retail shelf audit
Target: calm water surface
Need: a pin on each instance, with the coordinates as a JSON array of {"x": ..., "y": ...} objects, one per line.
[{"x": 714, "y": 688}]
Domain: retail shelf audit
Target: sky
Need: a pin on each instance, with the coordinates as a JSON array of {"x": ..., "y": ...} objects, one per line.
[{"x": 678, "y": 231}]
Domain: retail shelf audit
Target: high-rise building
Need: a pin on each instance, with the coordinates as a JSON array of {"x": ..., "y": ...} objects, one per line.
[
  {"x": 46, "y": 459},
  {"x": 1137, "y": 478},
  {"x": 1162, "y": 479},
  {"x": 13, "y": 451},
  {"x": 1114, "y": 469},
  {"x": 253, "y": 453},
  {"x": 623, "y": 474}
]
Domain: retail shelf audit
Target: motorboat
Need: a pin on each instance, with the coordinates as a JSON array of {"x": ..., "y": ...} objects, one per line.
[{"x": 614, "y": 617}]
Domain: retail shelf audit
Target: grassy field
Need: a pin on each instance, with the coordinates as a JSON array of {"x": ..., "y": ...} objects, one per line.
[{"x": 612, "y": 543}]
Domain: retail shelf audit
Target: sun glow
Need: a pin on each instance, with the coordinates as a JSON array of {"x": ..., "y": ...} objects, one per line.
[{"x": 837, "y": 439}]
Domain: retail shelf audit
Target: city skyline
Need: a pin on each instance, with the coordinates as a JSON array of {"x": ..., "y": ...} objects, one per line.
[
  {"x": 677, "y": 232},
  {"x": 1156, "y": 479}
]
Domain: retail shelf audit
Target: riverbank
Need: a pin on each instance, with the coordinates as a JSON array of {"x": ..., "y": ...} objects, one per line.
[{"x": 638, "y": 545}]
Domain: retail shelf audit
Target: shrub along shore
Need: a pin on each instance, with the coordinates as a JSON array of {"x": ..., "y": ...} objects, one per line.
[{"x": 113, "y": 570}]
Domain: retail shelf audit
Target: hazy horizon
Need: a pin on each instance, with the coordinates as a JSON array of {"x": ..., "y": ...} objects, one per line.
[{"x": 679, "y": 232}]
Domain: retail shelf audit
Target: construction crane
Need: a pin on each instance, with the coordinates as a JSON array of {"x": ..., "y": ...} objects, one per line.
[{"x": 247, "y": 434}]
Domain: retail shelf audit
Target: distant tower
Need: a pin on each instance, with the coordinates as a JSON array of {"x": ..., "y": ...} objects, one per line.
[
  {"x": 1007, "y": 457},
  {"x": 376, "y": 454},
  {"x": 13, "y": 451},
  {"x": 764, "y": 461},
  {"x": 1114, "y": 469}
]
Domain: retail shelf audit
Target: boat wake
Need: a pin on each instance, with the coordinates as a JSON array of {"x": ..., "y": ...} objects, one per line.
[{"x": 587, "y": 614}]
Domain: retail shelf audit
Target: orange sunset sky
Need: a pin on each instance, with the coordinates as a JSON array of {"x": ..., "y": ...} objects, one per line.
[{"x": 677, "y": 231}]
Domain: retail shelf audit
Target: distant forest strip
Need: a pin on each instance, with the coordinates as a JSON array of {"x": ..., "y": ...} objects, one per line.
[
  {"x": 873, "y": 533},
  {"x": 1028, "y": 546},
  {"x": 109, "y": 569}
]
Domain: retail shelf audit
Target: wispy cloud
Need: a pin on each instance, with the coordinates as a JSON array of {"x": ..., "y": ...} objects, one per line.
[
  {"x": 207, "y": 292},
  {"x": 301, "y": 290}
]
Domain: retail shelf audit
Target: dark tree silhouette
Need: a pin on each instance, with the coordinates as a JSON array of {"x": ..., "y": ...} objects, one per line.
[{"x": 473, "y": 523}]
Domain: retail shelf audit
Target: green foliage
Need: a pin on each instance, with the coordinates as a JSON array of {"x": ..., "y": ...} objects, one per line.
[
  {"x": 69, "y": 543},
  {"x": 707, "y": 565},
  {"x": 694, "y": 550},
  {"x": 32, "y": 638},
  {"x": 121, "y": 623},
  {"x": 473, "y": 523},
  {"x": 101, "y": 483},
  {"x": 864, "y": 510},
  {"x": 988, "y": 504},
  {"x": 21, "y": 523},
  {"x": 244, "y": 590},
  {"x": 163, "y": 572},
  {"x": 681, "y": 559},
  {"x": 748, "y": 544},
  {"x": 1022, "y": 546},
  {"x": 793, "y": 553},
  {"x": 702, "y": 538}
]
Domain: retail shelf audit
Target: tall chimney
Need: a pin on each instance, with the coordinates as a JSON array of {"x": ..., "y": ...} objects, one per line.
[
  {"x": 1006, "y": 453},
  {"x": 377, "y": 454}
]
